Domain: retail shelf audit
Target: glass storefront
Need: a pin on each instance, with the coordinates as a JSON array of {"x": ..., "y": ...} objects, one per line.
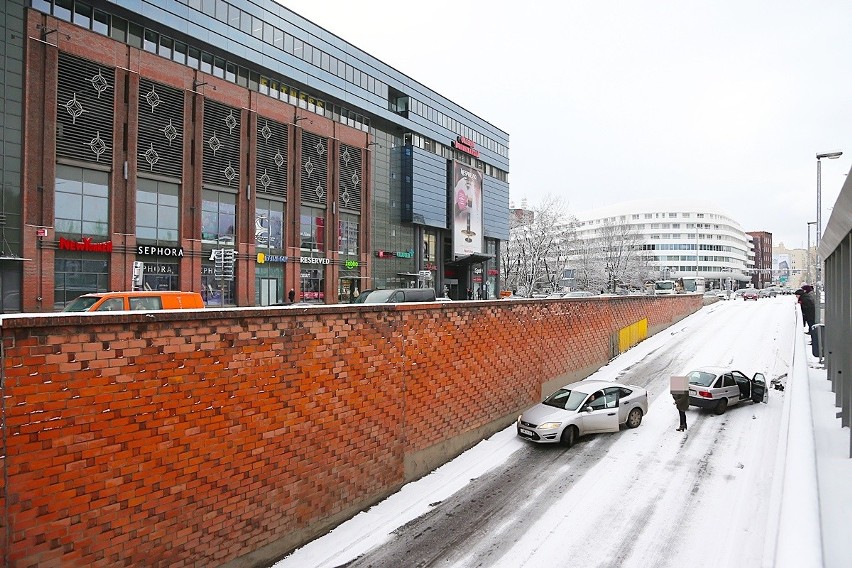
[{"x": 76, "y": 274}]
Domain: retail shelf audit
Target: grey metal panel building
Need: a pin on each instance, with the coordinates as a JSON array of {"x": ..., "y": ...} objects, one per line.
[{"x": 836, "y": 250}]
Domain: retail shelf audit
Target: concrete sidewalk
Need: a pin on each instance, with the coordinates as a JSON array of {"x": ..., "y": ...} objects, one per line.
[{"x": 834, "y": 469}]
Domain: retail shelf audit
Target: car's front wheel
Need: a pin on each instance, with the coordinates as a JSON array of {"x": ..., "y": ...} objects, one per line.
[
  {"x": 634, "y": 419},
  {"x": 569, "y": 436},
  {"x": 722, "y": 406}
]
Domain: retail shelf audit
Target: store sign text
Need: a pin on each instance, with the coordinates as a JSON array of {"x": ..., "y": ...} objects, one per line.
[
  {"x": 86, "y": 245},
  {"x": 159, "y": 251},
  {"x": 262, "y": 258},
  {"x": 351, "y": 264},
  {"x": 314, "y": 260},
  {"x": 397, "y": 254},
  {"x": 466, "y": 145}
]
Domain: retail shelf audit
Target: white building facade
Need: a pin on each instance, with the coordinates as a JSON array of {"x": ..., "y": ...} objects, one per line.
[{"x": 680, "y": 238}]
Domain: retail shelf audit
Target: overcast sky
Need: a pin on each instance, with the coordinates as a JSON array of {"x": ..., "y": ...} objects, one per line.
[{"x": 607, "y": 101}]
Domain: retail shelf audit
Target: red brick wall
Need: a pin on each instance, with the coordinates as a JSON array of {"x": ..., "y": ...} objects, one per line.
[{"x": 185, "y": 438}]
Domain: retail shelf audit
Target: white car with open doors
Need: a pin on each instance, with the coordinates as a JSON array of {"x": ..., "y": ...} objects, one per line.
[
  {"x": 717, "y": 388},
  {"x": 584, "y": 407}
]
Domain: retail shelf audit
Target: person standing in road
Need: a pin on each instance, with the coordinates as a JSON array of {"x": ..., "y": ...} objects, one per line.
[{"x": 681, "y": 400}]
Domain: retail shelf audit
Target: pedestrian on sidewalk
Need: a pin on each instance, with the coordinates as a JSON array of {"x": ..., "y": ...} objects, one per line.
[{"x": 806, "y": 302}]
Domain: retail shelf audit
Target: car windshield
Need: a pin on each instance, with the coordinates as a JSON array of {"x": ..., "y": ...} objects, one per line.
[
  {"x": 701, "y": 378},
  {"x": 81, "y": 304},
  {"x": 566, "y": 399}
]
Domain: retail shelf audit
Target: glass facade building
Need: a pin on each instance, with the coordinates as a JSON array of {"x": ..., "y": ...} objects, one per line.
[{"x": 234, "y": 148}]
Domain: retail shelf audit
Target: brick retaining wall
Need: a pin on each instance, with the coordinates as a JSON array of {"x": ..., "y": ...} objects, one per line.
[{"x": 232, "y": 436}]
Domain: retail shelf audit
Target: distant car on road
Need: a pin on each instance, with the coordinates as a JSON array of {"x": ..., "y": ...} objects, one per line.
[
  {"x": 717, "y": 388},
  {"x": 584, "y": 407},
  {"x": 750, "y": 294}
]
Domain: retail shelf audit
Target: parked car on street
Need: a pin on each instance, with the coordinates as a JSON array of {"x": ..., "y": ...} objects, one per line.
[
  {"x": 136, "y": 300},
  {"x": 717, "y": 388},
  {"x": 584, "y": 407}
]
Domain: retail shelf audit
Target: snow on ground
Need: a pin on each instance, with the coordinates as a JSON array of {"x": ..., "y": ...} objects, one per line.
[{"x": 657, "y": 498}]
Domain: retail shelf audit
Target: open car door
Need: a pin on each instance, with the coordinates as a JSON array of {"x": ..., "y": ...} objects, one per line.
[
  {"x": 758, "y": 388},
  {"x": 601, "y": 415}
]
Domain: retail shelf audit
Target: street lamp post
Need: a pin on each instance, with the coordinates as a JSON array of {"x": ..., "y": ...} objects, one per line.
[
  {"x": 818, "y": 270},
  {"x": 808, "y": 256}
]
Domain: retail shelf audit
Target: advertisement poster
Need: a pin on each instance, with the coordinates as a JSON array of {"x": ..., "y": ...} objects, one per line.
[{"x": 467, "y": 210}]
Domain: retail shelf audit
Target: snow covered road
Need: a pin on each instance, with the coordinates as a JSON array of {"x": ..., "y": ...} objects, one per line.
[{"x": 645, "y": 497}]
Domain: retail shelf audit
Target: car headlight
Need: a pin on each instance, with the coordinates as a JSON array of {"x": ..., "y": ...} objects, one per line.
[{"x": 550, "y": 425}]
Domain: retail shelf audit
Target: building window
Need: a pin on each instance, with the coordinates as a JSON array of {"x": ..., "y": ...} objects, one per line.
[
  {"x": 77, "y": 273},
  {"x": 348, "y": 236},
  {"x": 269, "y": 224},
  {"x": 156, "y": 211},
  {"x": 82, "y": 202},
  {"x": 312, "y": 231},
  {"x": 218, "y": 217},
  {"x": 83, "y": 15}
]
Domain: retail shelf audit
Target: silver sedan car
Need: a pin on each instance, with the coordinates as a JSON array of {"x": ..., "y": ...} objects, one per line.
[{"x": 584, "y": 407}]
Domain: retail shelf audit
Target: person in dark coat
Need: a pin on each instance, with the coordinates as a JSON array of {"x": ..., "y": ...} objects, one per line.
[
  {"x": 806, "y": 303},
  {"x": 291, "y": 295},
  {"x": 682, "y": 403}
]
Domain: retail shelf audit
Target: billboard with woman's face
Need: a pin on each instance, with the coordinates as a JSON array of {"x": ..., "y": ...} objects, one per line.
[{"x": 466, "y": 205}]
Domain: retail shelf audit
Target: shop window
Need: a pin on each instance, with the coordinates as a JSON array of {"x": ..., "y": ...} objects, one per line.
[{"x": 78, "y": 273}]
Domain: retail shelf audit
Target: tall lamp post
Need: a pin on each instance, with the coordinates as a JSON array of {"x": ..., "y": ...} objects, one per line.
[
  {"x": 808, "y": 256},
  {"x": 818, "y": 270}
]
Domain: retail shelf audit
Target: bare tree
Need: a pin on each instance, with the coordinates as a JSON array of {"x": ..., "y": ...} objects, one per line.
[
  {"x": 609, "y": 257},
  {"x": 539, "y": 247}
]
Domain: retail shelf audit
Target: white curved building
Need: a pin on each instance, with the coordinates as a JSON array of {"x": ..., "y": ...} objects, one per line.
[{"x": 671, "y": 230}]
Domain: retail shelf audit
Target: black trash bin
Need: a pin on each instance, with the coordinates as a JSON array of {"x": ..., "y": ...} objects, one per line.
[{"x": 818, "y": 340}]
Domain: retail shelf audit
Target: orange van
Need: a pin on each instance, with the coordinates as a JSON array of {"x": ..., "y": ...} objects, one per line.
[{"x": 138, "y": 300}]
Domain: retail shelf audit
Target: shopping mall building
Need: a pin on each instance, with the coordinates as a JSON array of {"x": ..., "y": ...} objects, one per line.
[{"x": 236, "y": 149}]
